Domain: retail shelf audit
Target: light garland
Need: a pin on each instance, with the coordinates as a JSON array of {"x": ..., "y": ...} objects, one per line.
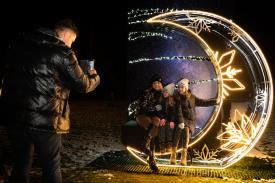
[
  {"x": 139, "y": 13},
  {"x": 173, "y": 58},
  {"x": 137, "y": 22},
  {"x": 147, "y": 12},
  {"x": 142, "y": 35},
  {"x": 203, "y": 81}
]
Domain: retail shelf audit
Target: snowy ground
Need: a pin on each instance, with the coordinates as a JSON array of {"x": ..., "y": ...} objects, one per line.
[
  {"x": 266, "y": 145},
  {"x": 96, "y": 129}
]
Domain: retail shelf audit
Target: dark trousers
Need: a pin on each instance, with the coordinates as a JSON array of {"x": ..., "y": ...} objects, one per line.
[
  {"x": 181, "y": 134},
  {"x": 149, "y": 123},
  {"x": 47, "y": 146},
  {"x": 165, "y": 134}
]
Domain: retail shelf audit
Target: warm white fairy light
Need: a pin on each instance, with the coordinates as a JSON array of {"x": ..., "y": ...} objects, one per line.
[
  {"x": 168, "y": 58},
  {"x": 202, "y": 81},
  {"x": 145, "y": 12},
  {"x": 142, "y": 35},
  {"x": 139, "y": 16},
  {"x": 137, "y": 22}
]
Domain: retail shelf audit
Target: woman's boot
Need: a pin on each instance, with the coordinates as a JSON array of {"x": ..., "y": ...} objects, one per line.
[
  {"x": 183, "y": 160},
  {"x": 173, "y": 157},
  {"x": 162, "y": 148},
  {"x": 151, "y": 161}
]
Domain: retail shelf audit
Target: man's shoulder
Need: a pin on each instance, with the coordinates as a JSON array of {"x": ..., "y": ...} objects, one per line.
[{"x": 48, "y": 38}]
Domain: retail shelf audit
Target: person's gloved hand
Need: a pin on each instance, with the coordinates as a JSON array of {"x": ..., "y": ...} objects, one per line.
[
  {"x": 158, "y": 107},
  {"x": 162, "y": 122},
  {"x": 172, "y": 125},
  {"x": 181, "y": 125}
]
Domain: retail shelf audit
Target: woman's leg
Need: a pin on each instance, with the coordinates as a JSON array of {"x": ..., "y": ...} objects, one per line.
[
  {"x": 185, "y": 142},
  {"x": 161, "y": 136},
  {"x": 169, "y": 137},
  {"x": 151, "y": 125},
  {"x": 144, "y": 121},
  {"x": 176, "y": 139}
]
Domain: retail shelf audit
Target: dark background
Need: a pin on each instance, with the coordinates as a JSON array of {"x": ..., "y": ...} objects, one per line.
[{"x": 103, "y": 30}]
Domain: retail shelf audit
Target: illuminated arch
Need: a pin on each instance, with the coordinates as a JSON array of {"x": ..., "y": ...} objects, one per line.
[{"x": 245, "y": 132}]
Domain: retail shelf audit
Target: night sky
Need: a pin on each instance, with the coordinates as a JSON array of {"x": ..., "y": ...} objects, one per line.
[{"x": 103, "y": 31}]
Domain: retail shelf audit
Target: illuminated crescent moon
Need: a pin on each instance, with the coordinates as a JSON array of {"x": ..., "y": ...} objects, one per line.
[{"x": 244, "y": 130}]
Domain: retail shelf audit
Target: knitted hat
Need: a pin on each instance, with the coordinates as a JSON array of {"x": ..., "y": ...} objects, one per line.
[
  {"x": 184, "y": 82},
  {"x": 169, "y": 88},
  {"x": 156, "y": 77}
]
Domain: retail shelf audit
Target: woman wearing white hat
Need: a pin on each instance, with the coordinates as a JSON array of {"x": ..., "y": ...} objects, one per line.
[
  {"x": 167, "y": 119},
  {"x": 186, "y": 118}
]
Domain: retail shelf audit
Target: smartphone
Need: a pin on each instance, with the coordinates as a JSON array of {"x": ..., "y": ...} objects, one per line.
[{"x": 91, "y": 64}]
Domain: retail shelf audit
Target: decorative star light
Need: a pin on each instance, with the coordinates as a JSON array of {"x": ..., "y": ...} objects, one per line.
[
  {"x": 228, "y": 73},
  {"x": 205, "y": 154},
  {"x": 234, "y": 34},
  {"x": 198, "y": 24},
  {"x": 238, "y": 133}
]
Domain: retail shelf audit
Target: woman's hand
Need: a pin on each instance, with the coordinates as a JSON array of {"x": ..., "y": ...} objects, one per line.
[
  {"x": 162, "y": 122},
  {"x": 172, "y": 125}
]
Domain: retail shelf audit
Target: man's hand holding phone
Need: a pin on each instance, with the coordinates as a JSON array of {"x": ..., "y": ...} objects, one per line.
[{"x": 91, "y": 70}]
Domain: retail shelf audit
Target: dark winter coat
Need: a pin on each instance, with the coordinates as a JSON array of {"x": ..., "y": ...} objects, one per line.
[
  {"x": 168, "y": 110},
  {"x": 39, "y": 74},
  {"x": 149, "y": 102},
  {"x": 185, "y": 108}
]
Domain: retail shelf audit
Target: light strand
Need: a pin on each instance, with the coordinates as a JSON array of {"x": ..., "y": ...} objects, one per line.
[
  {"x": 142, "y": 35},
  {"x": 176, "y": 58}
]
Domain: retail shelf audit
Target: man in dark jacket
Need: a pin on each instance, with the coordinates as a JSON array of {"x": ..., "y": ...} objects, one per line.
[{"x": 41, "y": 69}]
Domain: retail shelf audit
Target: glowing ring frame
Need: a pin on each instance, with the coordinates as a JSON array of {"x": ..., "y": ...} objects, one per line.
[{"x": 264, "y": 116}]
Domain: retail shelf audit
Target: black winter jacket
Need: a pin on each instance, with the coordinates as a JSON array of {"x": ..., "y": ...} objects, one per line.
[
  {"x": 168, "y": 111},
  {"x": 185, "y": 108},
  {"x": 149, "y": 103},
  {"x": 39, "y": 74}
]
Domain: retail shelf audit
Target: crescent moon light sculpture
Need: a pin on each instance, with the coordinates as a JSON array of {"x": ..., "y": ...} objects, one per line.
[{"x": 241, "y": 75}]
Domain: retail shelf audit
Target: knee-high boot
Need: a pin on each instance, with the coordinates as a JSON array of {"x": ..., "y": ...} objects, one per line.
[
  {"x": 173, "y": 157},
  {"x": 183, "y": 160},
  {"x": 151, "y": 160},
  {"x": 147, "y": 141}
]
